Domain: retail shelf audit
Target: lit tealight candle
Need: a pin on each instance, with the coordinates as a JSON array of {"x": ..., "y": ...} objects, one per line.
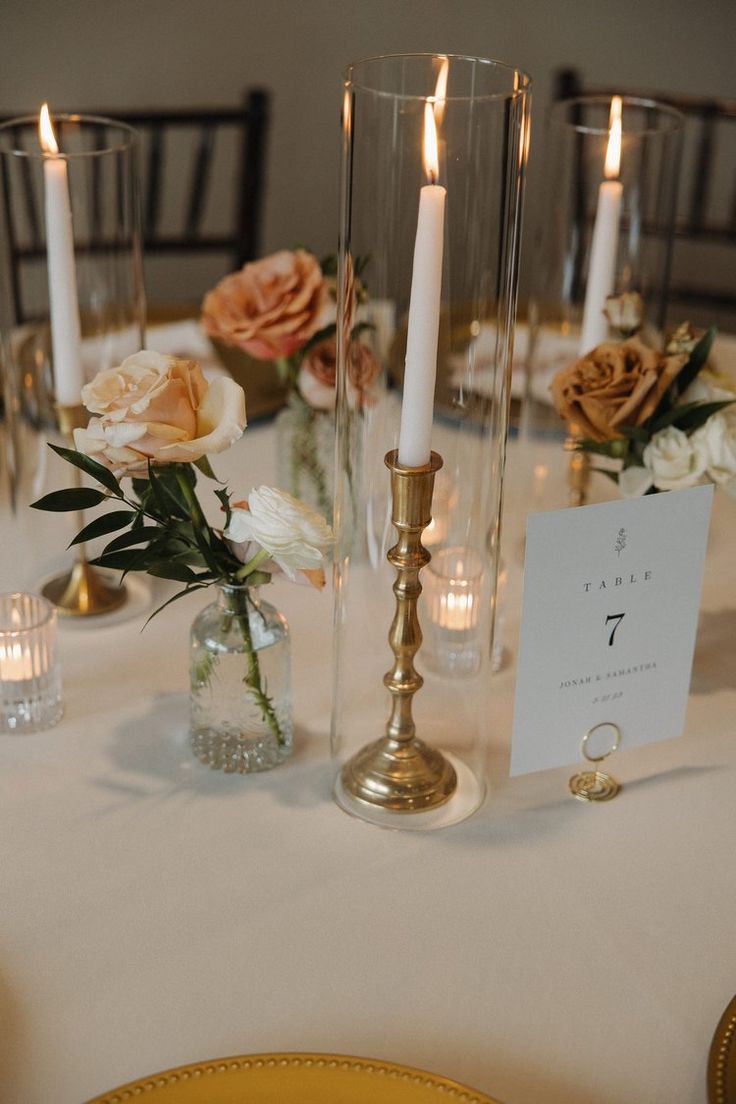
[
  {"x": 62, "y": 273},
  {"x": 602, "y": 267},
  {"x": 16, "y": 661},
  {"x": 417, "y": 408}
]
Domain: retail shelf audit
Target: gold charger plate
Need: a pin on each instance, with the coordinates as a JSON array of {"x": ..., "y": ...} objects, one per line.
[
  {"x": 295, "y": 1079},
  {"x": 722, "y": 1060}
]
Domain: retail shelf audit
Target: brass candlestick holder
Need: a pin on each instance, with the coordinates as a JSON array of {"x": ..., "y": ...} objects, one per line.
[
  {"x": 399, "y": 772},
  {"x": 578, "y": 472},
  {"x": 83, "y": 591}
]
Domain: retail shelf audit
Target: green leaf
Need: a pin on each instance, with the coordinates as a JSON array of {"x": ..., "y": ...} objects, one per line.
[
  {"x": 698, "y": 357},
  {"x": 635, "y": 433},
  {"x": 143, "y": 534},
  {"x": 76, "y": 498},
  {"x": 670, "y": 416},
  {"x": 105, "y": 523},
  {"x": 617, "y": 448},
  {"x": 328, "y": 265},
  {"x": 205, "y": 467},
  {"x": 165, "y": 569},
  {"x": 91, "y": 467},
  {"x": 698, "y": 417},
  {"x": 179, "y": 594},
  {"x": 165, "y": 500},
  {"x": 125, "y": 561},
  {"x": 224, "y": 496}
]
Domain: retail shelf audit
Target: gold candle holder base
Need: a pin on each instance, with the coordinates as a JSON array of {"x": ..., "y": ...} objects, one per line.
[
  {"x": 595, "y": 785},
  {"x": 398, "y": 772},
  {"x": 83, "y": 591}
]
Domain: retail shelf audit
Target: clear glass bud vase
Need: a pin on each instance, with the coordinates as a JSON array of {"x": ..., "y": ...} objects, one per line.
[{"x": 240, "y": 677}]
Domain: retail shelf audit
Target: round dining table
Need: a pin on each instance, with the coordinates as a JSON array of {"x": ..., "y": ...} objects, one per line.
[{"x": 155, "y": 912}]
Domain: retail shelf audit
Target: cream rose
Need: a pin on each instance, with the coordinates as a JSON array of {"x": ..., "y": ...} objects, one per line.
[
  {"x": 617, "y": 384},
  {"x": 270, "y": 308},
  {"x": 718, "y": 441},
  {"x": 295, "y": 536},
  {"x": 675, "y": 460},
  {"x": 158, "y": 408}
]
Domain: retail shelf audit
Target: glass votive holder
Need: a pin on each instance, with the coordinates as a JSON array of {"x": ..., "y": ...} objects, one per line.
[
  {"x": 30, "y": 678},
  {"x": 454, "y": 585}
]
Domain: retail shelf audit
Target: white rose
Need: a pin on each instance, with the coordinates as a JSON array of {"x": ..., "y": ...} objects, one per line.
[
  {"x": 674, "y": 459},
  {"x": 158, "y": 408},
  {"x": 634, "y": 481},
  {"x": 295, "y": 536},
  {"x": 718, "y": 440}
]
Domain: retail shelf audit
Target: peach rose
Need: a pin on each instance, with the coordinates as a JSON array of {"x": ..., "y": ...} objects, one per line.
[
  {"x": 159, "y": 408},
  {"x": 318, "y": 373},
  {"x": 616, "y": 384},
  {"x": 270, "y": 308}
]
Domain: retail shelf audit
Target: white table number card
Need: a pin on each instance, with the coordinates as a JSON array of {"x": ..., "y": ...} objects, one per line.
[{"x": 611, "y": 600}]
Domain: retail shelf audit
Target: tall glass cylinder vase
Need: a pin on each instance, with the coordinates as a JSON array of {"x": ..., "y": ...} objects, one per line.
[
  {"x": 70, "y": 254},
  {"x": 386, "y": 505},
  {"x": 605, "y": 230}
]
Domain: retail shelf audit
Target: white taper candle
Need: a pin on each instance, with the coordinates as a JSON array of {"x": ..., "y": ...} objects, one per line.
[
  {"x": 417, "y": 408},
  {"x": 604, "y": 244},
  {"x": 62, "y": 272}
]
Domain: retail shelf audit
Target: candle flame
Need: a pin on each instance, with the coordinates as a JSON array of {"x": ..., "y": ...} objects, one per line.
[
  {"x": 440, "y": 90},
  {"x": 613, "y": 149},
  {"x": 430, "y": 154},
  {"x": 46, "y": 132}
]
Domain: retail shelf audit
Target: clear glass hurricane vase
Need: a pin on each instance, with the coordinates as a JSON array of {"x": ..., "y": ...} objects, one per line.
[
  {"x": 481, "y": 115},
  {"x": 240, "y": 683}
]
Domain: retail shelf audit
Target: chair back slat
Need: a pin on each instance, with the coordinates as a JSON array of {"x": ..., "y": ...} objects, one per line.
[
  {"x": 153, "y": 183},
  {"x": 701, "y": 172},
  {"x": 252, "y": 175},
  {"x": 200, "y": 179}
]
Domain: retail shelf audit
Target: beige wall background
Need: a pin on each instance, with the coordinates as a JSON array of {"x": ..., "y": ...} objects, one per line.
[{"x": 145, "y": 53}]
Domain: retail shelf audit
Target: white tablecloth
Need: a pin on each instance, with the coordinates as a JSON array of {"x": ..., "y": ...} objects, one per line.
[{"x": 155, "y": 912}]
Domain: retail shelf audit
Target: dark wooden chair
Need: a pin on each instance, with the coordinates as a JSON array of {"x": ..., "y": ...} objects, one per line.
[
  {"x": 705, "y": 227},
  {"x": 190, "y": 135}
]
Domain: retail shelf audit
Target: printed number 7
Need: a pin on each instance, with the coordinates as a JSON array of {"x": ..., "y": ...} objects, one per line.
[{"x": 618, "y": 618}]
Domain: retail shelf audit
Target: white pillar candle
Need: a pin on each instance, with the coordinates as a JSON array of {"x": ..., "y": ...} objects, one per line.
[
  {"x": 62, "y": 273},
  {"x": 604, "y": 246},
  {"x": 417, "y": 406}
]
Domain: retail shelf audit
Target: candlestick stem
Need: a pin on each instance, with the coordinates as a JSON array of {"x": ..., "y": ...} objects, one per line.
[
  {"x": 84, "y": 591},
  {"x": 399, "y": 772},
  {"x": 578, "y": 471}
]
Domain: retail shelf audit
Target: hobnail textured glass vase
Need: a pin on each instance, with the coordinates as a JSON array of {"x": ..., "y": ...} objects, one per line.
[
  {"x": 306, "y": 454},
  {"x": 240, "y": 683}
]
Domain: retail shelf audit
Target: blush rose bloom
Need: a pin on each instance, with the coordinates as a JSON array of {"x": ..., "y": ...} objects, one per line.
[
  {"x": 158, "y": 408},
  {"x": 318, "y": 372},
  {"x": 270, "y": 308},
  {"x": 295, "y": 536},
  {"x": 617, "y": 384}
]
